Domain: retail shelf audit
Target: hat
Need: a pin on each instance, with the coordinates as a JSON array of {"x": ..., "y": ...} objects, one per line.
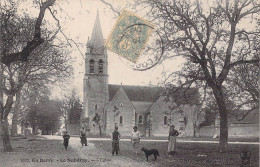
[
  {"x": 172, "y": 126},
  {"x": 135, "y": 127}
]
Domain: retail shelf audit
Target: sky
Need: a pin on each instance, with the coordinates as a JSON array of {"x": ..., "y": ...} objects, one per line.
[
  {"x": 77, "y": 19},
  {"x": 79, "y": 27}
]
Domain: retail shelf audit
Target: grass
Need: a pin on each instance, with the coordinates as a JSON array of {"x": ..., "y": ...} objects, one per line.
[{"x": 188, "y": 155}]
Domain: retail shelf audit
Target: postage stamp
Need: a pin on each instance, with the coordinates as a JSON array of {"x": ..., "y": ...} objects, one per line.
[{"x": 129, "y": 36}]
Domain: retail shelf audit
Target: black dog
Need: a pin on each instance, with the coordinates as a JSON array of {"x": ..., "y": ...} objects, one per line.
[{"x": 155, "y": 153}]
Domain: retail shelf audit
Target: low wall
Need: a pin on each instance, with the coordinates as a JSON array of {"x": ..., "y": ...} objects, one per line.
[{"x": 237, "y": 130}]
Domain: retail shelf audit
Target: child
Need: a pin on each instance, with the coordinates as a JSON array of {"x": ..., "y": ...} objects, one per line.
[
  {"x": 135, "y": 139},
  {"x": 66, "y": 138},
  {"x": 115, "y": 141}
]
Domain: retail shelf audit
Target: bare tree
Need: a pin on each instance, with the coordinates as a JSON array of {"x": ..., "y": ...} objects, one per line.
[
  {"x": 212, "y": 39},
  {"x": 242, "y": 90},
  {"x": 22, "y": 54},
  {"x": 28, "y": 55}
]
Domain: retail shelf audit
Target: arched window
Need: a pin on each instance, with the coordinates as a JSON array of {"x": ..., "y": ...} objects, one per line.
[
  {"x": 91, "y": 66},
  {"x": 121, "y": 120},
  {"x": 140, "y": 119},
  {"x": 165, "y": 120},
  {"x": 100, "y": 66}
]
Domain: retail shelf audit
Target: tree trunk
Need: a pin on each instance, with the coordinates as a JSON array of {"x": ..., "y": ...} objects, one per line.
[
  {"x": 223, "y": 112},
  {"x": 5, "y": 127},
  {"x": 1, "y": 95},
  {"x": 223, "y": 131},
  {"x": 15, "y": 114},
  {"x": 33, "y": 129},
  {"x": 5, "y": 134},
  {"x": 100, "y": 133}
]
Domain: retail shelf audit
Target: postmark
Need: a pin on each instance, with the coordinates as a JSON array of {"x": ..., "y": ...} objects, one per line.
[
  {"x": 129, "y": 36},
  {"x": 150, "y": 56}
]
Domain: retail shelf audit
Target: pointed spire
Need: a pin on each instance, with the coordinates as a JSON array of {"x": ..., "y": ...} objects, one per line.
[{"x": 97, "y": 40}]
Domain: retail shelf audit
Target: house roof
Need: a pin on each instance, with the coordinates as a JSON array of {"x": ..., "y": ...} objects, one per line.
[
  {"x": 136, "y": 93},
  {"x": 141, "y": 107}
]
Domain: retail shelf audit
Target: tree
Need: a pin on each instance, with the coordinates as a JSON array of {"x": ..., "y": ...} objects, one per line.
[
  {"x": 31, "y": 96},
  {"x": 71, "y": 109},
  {"x": 45, "y": 116},
  {"x": 213, "y": 40},
  {"x": 243, "y": 90},
  {"x": 22, "y": 47},
  {"x": 25, "y": 51},
  {"x": 15, "y": 113}
]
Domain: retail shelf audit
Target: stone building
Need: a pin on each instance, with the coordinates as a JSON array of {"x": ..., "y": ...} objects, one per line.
[{"x": 127, "y": 106}]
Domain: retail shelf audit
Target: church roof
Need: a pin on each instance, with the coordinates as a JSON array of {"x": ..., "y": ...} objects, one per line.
[
  {"x": 97, "y": 40},
  {"x": 136, "y": 93},
  {"x": 141, "y": 107}
]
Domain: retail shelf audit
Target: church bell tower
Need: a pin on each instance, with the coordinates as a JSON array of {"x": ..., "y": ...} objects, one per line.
[{"x": 95, "y": 80}]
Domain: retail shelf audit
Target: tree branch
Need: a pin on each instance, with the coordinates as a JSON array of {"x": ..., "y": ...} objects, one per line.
[
  {"x": 254, "y": 61},
  {"x": 7, "y": 59}
]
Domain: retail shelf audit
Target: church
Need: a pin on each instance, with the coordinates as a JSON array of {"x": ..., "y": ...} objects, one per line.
[{"x": 127, "y": 106}]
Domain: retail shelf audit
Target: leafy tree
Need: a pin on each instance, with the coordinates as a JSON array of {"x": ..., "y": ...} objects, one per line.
[
  {"x": 45, "y": 116},
  {"x": 31, "y": 96},
  {"x": 71, "y": 109}
]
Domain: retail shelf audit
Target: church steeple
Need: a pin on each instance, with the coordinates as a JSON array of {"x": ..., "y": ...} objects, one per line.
[
  {"x": 97, "y": 40},
  {"x": 96, "y": 77}
]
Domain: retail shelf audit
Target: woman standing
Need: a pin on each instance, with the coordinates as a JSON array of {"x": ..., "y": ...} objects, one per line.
[
  {"x": 172, "y": 146},
  {"x": 83, "y": 137},
  {"x": 135, "y": 139}
]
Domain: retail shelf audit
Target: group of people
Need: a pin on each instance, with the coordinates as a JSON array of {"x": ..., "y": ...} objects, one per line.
[
  {"x": 136, "y": 136},
  {"x": 135, "y": 140},
  {"x": 83, "y": 138}
]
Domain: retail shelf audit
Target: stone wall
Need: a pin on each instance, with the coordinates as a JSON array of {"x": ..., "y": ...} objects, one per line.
[
  {"x": 126, "y": 110},
  {"x": 181, "y": 120},
  {"x": 235, "y": 130}
]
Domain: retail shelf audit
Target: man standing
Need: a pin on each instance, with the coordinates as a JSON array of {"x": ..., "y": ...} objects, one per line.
[
  {"x": 135, "y": 139},
  {"x": 66, "y": 138},
  {"x": 115, "y": 141}
]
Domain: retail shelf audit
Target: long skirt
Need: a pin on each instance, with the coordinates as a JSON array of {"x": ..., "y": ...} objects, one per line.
[
  {"x": 83, "y": 140},
  {"x": 172, "y": 146},
  {"x": 115, "y": 146}
]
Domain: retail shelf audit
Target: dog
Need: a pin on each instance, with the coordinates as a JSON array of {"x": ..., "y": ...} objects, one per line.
[{"x": 155, "y": 153}]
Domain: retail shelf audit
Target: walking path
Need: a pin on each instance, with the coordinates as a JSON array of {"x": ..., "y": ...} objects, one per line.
[{"x": 96, "y": 157}]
